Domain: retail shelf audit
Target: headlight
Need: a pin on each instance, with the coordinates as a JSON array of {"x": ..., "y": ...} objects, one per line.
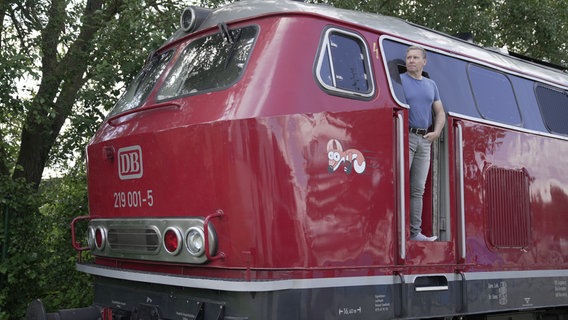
[{"x": 195, "y": 241}]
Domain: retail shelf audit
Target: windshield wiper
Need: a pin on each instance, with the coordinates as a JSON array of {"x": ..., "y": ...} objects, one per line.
[
  {"x": 231, "y": 39},
  {"x": 226, "y": 32}
]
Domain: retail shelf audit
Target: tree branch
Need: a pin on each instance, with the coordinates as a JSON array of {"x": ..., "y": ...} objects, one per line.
[{"x": 60, "y": 84}]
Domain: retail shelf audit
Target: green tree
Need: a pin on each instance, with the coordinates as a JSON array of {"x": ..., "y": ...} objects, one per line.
[
  {"x": 75, "y": 52},
  {"x": 534, "y": 28},
  {"x": 63, "y": 64}
]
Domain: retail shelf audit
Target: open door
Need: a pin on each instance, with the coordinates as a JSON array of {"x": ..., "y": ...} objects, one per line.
[
  {"x": 437, "y": 216},
  {"x": 431, "y": 270}
]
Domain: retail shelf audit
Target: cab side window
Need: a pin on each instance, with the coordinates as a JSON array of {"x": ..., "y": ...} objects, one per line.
[
  {"x": 343, "y": 65},
  {"x": 554, "y": 108},
  {"x": 494, "y": 95}
]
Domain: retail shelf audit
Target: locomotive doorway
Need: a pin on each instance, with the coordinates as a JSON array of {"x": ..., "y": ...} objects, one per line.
[
  {"x": 441, "y": 213},
  {"x": 429, "y": 270},
  {"x": 436, "y": 196},
  {"x": 438, "y": 217}
]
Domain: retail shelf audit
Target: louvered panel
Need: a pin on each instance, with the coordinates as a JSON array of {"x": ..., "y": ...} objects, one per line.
[
  {"x": 508, "y": 207},
  {"x": 141, "y": 239}
]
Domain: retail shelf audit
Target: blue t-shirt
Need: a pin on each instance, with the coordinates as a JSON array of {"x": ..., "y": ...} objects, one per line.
[{"x": 420, "y": 95}]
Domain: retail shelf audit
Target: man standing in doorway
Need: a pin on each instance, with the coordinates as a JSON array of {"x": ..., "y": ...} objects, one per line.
[{"x": 424, "y": 100}]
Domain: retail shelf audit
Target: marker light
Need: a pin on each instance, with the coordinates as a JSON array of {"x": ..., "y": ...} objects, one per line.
[
  {"x": 91, "y": 237},
  {"x": 172, "y": 240},
  {"x": 100, "y": 238},
  {"x": 195, "y": 241}
]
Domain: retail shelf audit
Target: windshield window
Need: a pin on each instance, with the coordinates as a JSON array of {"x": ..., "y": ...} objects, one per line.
[
  {"x": 142, "y": 85},
  {"x": 210, "y": 63}
]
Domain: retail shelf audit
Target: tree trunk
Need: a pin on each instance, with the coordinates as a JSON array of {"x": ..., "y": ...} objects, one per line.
[{"x": 61, "y": 81}]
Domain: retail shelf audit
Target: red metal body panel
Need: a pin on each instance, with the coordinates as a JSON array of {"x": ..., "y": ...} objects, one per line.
[
  {"x": 488, "y": 146},
  {"x": 267, "y": 168}
]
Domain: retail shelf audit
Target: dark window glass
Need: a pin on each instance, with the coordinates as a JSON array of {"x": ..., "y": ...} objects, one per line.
[
  {"x": 142, "y": 85},
  {"x": 449, "y": 73},
  {"x": 343, "y": 64},
  {"x": 554, "y": 107},
  {"x": 209, "y": 63},
  {"x": 530, "y": 110},
  {"x": 494, "y": 95},
  {"x": 325, "y": 70}
]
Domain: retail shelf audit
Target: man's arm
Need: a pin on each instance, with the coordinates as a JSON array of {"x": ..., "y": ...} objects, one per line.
[{"x": 439, "y": 121}]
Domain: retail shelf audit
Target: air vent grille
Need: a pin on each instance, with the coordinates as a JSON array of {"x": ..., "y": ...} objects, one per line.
[
  {"x": 141, "y": 240},
  {"x": 507, "y": 202}
]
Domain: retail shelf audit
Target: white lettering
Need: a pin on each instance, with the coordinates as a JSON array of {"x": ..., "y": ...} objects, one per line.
[
  {"x": 133, "y": 199},
  {"x": 130, "y": 163}
]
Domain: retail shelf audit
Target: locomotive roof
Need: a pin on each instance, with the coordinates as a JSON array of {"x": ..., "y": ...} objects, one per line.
[{"x": 388, "y": 25}]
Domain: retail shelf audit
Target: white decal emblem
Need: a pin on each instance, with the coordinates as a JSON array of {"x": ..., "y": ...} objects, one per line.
[
  {"x": 130, "y": 163},
  {"x": 352, "y": 159}
]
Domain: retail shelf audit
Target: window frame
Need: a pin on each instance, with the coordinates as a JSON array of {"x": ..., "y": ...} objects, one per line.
[
  {"x": 324, "y": 54},
  {"x": 540, "y": 105},
  {"x": 482, "y": 111},
  {"x": 151, "y": 67},
  {"x": 183, "y": 51}
]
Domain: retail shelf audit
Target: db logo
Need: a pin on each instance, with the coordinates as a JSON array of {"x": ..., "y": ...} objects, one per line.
[{"x": 130, "y": 163}]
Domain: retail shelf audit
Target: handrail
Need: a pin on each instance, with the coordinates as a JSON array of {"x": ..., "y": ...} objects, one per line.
[
  {"x": 77, "y": 244},
  {"x": 399, "y": 313},
  {"x": 400, "y": 184},
  {"x": 460, "y": 191},
  {"x": 463, "y": 307},
  {"x": 219, "y": 213}
]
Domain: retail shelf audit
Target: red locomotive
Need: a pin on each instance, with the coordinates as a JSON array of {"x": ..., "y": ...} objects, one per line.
[{"x": 257, "y": 169}]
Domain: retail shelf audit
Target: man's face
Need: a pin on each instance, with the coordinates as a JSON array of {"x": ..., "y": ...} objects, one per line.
[{"x": 415, "y": 61}]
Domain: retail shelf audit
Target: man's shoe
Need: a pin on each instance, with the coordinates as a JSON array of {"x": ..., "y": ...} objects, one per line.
[{"x": 421, "y": 237}]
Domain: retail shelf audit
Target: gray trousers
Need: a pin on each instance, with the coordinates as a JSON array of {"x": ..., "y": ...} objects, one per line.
[{"x": 419, "y": 164}]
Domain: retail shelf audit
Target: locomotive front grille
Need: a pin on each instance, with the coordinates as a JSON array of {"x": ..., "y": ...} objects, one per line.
[
  {"x": 178, "y": 240},
  {"x": 141, "y": 240}
]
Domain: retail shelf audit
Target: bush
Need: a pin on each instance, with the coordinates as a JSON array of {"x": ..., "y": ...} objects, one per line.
[{"x": 40, "y": 261}]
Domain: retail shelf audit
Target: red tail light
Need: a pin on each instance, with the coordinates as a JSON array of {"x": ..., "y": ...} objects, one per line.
[{"x": 172, "y": 240}]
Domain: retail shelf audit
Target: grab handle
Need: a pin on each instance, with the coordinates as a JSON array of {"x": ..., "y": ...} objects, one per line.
[
  {"x": 77, "y": 244},
  {"x": 430, "y": 283},
  {"x": 218, "y": 214}
]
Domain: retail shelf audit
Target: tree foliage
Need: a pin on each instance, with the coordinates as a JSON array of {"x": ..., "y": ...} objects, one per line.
[
  {"x": 535, "y": 28},
  {"x": 75, "y": 54},
  {"x": 64, "y": 63},
  {"x": 40, "y": 261}
]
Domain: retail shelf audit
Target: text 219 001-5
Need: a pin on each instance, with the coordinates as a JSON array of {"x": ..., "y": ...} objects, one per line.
[{"x": 133, "y": 199}]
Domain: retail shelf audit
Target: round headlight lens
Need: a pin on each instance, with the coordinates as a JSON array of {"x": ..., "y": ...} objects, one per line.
[{"x": 195, "y": 241}]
